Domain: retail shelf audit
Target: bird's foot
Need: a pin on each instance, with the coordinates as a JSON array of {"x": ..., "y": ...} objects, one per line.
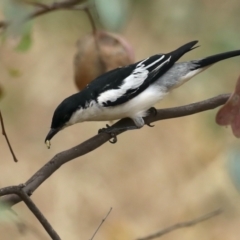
[
  {"x": 153, "y": 111},
  {"x": 110, "y": 132},
  {"x": 113, "y": 132}
]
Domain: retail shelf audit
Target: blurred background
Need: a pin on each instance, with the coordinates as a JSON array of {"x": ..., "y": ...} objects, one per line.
[{"x": 152, "y": 178}]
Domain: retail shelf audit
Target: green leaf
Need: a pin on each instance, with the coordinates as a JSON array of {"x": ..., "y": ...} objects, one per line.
[
  {"x": 25, "y": 42},
  {"x": 112, "y": 13},
  {"x": 5, "y": 215},
  {"x": 14, "y": 72},
  {"x": 234, "y": 167},
  {"x": 18, "y": 30}
]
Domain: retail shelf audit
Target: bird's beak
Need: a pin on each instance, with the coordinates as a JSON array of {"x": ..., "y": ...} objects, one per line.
[{"x": 50, "y": 135}]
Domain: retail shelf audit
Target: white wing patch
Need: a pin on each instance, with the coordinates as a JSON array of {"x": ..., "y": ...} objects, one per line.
[
  {"x": 133, "y": 81},
  {"x": 158, "y": 67}
]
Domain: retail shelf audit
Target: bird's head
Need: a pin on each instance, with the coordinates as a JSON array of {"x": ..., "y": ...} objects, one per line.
[{"x": 64, "y": 116}]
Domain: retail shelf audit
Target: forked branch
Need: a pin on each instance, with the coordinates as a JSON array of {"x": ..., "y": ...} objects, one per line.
[
  {"x": 18, "y": 190},
  {"x": 95, "y": 142}
]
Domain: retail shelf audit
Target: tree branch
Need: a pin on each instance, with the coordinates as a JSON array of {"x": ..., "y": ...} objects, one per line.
[
  {"x": 18, "y": 190},
  {"x": 44, "y": 9},
  {"x": 67, "y": 5},
  {"x": 6, "y": 137},
  {"x": 93, "y": 143},
  {"x": 182, "y": 225}
]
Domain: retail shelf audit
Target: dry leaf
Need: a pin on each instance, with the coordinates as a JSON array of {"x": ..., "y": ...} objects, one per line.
[
  {"x": 229, "y": 113},
  {"x": 99, "y": 53}
]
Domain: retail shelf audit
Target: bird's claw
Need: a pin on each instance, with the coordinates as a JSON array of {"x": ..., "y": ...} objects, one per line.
[
  {"x": 113, "y": 139},
  {"x": 153, "y": 111},
  {"x": 110, "y": 132},
  {"x": 150, "y": 125}
]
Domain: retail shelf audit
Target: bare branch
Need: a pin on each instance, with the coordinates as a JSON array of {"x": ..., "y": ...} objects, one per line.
[
  {"x": 32, "y": 207},
  {"x": 182, "y": 225},
  {"x": 6, "y": 137},
  {"x": 44, "y": 9},
  {"x": 103, "y": 220},
  {"x": 67, "y": 5},
  {"x": 93, "y": 143}
]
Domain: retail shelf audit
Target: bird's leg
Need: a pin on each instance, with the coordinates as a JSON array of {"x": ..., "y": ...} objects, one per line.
[
  {"x": 153, "y": 111},
  {"x": 139, "y": 122}
]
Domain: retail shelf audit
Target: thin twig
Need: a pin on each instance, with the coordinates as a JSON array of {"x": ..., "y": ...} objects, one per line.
[
  {"x": 44, "y": 9},
  {"x": 98, "y": 140},
  {"x": 64, "y": 5},
  {"x": 95, "y": 34},
  {"x": 182, "y": 225},
  {"x": 32, "y": 207},
  {"x": 90, "y": 17},
  {"x": 103, "y": 220},
  {"x": 6, "y": 137}
]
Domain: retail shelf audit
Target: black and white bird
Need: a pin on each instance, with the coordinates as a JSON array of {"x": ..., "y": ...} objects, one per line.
[{"x": 132, "y": 90}]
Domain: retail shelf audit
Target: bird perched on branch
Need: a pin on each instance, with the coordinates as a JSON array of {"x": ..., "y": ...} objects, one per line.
[{"x": 132, "y": 90}]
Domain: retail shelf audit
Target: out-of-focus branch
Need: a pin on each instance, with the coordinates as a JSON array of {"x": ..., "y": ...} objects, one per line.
[
  {"x": 98, "y": 140},
  {"x": 6, "y": 137},
  {"x": 103, "y": 220},
  {"x": 18, "y": 190},
  {"x": 44, "y": 9},
  {"x": 182, "y": 225},
  {"x": 91, "y": 20},
  {"x": 67, "y": 5}
]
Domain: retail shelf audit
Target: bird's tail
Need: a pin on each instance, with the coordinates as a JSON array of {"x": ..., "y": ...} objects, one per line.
[
  {"x": 176, "y": 54},
  {"x": 216, "y": 58}
]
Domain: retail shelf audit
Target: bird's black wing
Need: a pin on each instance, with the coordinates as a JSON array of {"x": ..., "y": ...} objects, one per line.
[{"x": 122, "y": 84}]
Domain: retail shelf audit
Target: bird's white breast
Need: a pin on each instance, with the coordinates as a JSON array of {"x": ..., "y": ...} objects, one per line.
[{"x": 134, "y": 107}]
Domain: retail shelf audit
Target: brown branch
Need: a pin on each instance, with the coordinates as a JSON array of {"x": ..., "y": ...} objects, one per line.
[
  {"x": 6, "y": 137},
  {"x": 93, "y": 143},
  {"x": 63, "y": 5},
  {"x": 182, "y": 225},
  {"x": 18, "y": 190},
  {"x": 103, "y": 220},
  {"x": 44, "y": 9}
]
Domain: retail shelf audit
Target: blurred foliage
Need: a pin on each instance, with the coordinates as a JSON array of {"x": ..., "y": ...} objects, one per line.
[
  {"x": 1, "y": 91},
  {"x": 234, "y": 166},
  {"x": 16, "y": 12},
  {"x": 113, "y": 14},
  {"x": 14, "y": 72},
  {"x": 5, "y": 214},
  {"x": 26, "y": 39}
]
